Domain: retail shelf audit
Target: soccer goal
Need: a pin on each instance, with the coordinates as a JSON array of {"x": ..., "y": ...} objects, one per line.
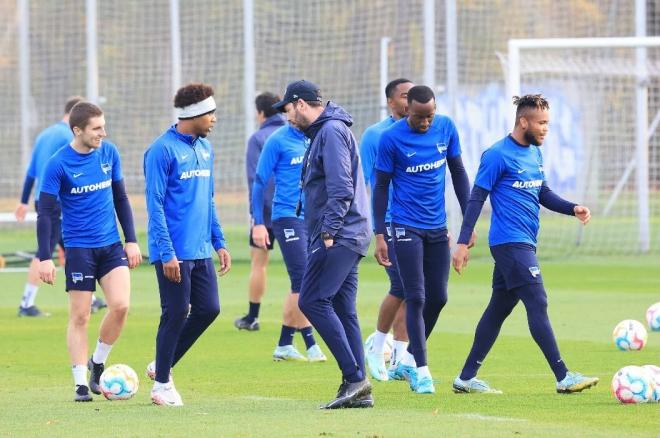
[{"x": 603, "y": 149}]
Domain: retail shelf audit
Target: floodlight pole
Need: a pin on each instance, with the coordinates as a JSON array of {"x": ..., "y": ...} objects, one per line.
[
  {"x": 249, "y": 68},
  {"x": 175, "y": 48},
  {"x": 23, "y": 19},
  {"x": 641, "y": 139},
  {"x": 384, "y": 67},
  {"x": 92, "y": 52}
]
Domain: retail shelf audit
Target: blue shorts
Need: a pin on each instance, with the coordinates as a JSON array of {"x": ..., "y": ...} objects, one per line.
[
  {"x": 55, "y": 226},
  {"x": 515, "y": 265},
  {"x": 396, "y": 287},
  {"x": 86, "y": 265},
  {"x": 271, "y": 237},
  {"x": 291, "y": 235}
]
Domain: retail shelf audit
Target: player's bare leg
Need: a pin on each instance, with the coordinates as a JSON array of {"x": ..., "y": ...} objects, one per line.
[
  {"x": 76, "y": 340},
  {"x": 256, "y": 288},
  {"x": 116, "y": 286},
  {"x": 27, "y": 307}
]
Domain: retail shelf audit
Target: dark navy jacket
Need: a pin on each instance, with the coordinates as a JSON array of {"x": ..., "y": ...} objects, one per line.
[
  {"x": 254, "y": 147},
  {"x": 336, "y": 199}
]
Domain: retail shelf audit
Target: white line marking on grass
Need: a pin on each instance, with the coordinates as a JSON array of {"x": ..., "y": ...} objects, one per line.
[
  {"x": 11, "y": 270},
  {"x": 490, "y": 418}
]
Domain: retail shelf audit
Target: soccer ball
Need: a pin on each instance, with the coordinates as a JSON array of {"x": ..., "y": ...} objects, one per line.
[
  {"x": 629, "y": 335},
  {"x": 654, "y": 371},
  {"x": 387, "y": 349},
  {"x": 119, "y": 382},
  {"x": 653, "y": 317},
  {"x": 633, "y": 384}
]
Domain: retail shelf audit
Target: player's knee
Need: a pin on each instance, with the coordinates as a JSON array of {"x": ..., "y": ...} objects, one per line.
[
  {"x": 79, "y": 319},
  {"x": 120, "y": 310},
  {"x": 416, "y": 300}
]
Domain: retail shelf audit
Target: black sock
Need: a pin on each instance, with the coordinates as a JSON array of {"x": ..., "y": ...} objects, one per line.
[
  {"x": 286, "y": 335},
  {"x": 253, "y": 313},
  {"x": 308, "y": 336}
]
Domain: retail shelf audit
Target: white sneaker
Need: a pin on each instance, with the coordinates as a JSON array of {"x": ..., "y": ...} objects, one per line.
[
  {"x": 151, "y": 371},
  {"x": 314, "y": 354},
  {"x": 165, "y": 395}
]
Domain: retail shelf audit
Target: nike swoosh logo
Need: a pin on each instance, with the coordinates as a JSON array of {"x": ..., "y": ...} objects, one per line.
[
  {"x": 521, "y": 170},
  {"x": 314, "y": 250},
  {"x": 183, "y": 157},
  {"x": 124, "y": 258},
  {"x": 76, "y": 175},
  {"x": 411, "y": 154}
]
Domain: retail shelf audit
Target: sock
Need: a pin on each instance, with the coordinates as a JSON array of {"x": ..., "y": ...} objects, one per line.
[
  {"x": 29, "y": 295},
  {"x": 398, "y": 348},
  {"x": 94, "y": 299},
  {"x": 253, "y": 313},
  {"x": 378, "y": 342},
  {"x": 101, "y": 353},
  {"x": 158, "y": 385},
  {"x": 559, "y": 369},
  {"x": 286, "y": 335},
  {"x": 308, "y": 336},
  {"x": 408, "y": 359},
  {"x": 423, "y": 372},
  {"x": 79, "y": 374}
]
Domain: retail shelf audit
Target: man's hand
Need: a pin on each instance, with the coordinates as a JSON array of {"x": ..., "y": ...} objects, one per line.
[
  {"x": 382, "y": 257},
  {"x": 133, "y": 254},
  {"x": 460, "y": 257},
  {"x": 582, "y": 213},
  {"x": 260, "y": 236},
  {"x": 172, "y": 270},
  {"x": 20, "y": 212},
  {"x": 473, "y": 239},
  {"x": 47, "y": 271},
  {"x": 225, "y": 258}
]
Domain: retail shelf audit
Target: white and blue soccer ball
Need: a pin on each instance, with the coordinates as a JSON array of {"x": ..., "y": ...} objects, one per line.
[
  {"x": 119, "y": 382},
  {"x": 387, "y": 349},
  {"x": 633, "y": 384},
  {"x": 629, "y": 335},
  {"x": 654, "y": 371},
  {"x": 653, "y": 317}
]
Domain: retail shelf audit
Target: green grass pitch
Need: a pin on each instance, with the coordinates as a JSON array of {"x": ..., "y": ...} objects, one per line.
[{"x": 231, "y": 387}]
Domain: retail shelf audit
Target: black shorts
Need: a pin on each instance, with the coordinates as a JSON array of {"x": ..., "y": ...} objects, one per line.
[
  {"x": 271, "y": 237},
  {"x": 84, "y": 266}
]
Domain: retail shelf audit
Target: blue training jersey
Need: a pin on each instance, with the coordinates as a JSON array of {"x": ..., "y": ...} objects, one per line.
[
  {"x": 513, "y": 174},
  {"x": 178, "y": 171},
  {"x": 49, "y": 141},
  {"x": 369, "y": 144},
  {"x": 83, "y": 183},
  {"x": 282, "y": 155},
  {"x": 418, "y": 162}
]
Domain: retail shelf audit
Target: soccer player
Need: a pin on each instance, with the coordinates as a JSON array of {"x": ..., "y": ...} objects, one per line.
[
  {"x": 86, "y": 177},
  {"x": 511, "y": 171},
  {"x": 269, "y": 121},
  {"x": 183, "y": 231},
  {"x": 49, "y": 141},
  {"x": 414, "y": 154},
  {"x": 282, "y": 156},
  {"x": 392, "y": 309},
  {"x": 337, "y": 220}
]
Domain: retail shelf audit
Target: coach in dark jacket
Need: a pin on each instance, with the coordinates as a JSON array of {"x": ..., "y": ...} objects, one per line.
[{"x": 337, "y": 217}]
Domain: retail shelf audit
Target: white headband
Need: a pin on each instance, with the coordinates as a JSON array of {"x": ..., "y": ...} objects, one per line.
[{"x": 197, "y": 109}]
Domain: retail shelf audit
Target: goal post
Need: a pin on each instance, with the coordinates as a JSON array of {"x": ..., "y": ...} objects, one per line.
[{"x": 562, "y": 60}]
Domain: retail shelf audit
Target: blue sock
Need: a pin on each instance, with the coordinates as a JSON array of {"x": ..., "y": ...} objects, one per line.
[
  {"x": 308, "y": 336},
  {"x": 253, "y": 313},
  {"x": 286, "y": 335}
]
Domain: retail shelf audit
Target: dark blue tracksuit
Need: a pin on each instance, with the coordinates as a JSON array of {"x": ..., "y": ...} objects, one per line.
[
  {"x": 254, "y": 147},
  {"x": 336, "y": 203}
]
